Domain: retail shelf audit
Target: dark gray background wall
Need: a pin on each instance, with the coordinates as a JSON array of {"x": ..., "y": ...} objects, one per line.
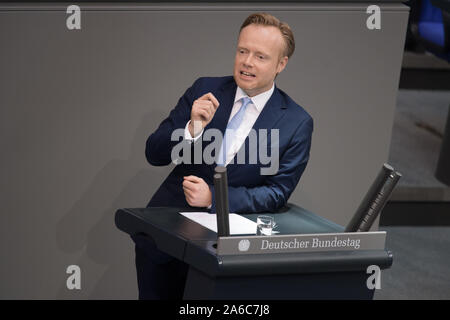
[{"x": 77, "y": 106}]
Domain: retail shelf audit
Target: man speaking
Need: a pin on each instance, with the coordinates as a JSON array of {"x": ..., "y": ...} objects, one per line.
[{"x": 242, "y": 106}]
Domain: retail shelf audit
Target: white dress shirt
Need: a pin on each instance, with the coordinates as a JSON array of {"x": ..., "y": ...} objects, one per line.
[{"x": 251, "y": 114}]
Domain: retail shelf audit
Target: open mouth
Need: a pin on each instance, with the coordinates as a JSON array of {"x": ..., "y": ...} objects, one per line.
[{"x": 247, "y": 74}]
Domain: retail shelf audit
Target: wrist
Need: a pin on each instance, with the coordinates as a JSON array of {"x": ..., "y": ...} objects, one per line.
[
  {"x": 191, "y": 129},
  {"x": 195, "y": 127}
]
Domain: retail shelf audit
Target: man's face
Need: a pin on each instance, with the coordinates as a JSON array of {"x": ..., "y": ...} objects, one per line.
[{"x": 258, "y": 58}]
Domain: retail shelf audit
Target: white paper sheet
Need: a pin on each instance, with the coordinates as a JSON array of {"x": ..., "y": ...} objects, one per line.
[{"x": 238, "y": 224}]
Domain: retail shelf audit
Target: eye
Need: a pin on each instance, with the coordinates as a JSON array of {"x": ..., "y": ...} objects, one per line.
[{"x": 261, "y": 57}]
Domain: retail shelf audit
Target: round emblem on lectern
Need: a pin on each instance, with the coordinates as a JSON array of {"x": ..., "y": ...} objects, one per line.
[{"x": 244, "y": 245}]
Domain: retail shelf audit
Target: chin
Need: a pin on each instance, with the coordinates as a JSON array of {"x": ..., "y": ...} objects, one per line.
[
  {"x": 246, "y": 88},
  {"x": 243, "y": 84}
]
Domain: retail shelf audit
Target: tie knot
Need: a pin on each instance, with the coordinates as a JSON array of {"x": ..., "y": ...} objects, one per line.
[{"x": 246, "y": 101}]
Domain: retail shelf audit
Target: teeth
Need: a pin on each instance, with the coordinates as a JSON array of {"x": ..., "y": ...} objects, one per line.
[{"x": 246, "y": 73}]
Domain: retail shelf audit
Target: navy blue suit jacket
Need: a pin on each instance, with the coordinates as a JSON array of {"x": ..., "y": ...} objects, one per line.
[{"x": 248, "y": 191}]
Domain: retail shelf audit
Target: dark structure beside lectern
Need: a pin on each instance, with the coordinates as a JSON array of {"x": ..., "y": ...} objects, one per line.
[
  {"x": 375, "y": 200},
  {"x": 443, "y": 164}
]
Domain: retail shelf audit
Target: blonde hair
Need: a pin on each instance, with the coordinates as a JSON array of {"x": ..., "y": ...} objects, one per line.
[{"x": 266, "y": 19}]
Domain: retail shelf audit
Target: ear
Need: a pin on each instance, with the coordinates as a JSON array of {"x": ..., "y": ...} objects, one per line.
[{"x": 282, "y": 64}]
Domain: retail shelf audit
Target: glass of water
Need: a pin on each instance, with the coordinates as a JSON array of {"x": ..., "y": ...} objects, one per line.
[{"x": 264, "y": 225}]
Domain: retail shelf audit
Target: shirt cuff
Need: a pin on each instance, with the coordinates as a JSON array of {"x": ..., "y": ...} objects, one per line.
[{"x": 187, "y": 134}]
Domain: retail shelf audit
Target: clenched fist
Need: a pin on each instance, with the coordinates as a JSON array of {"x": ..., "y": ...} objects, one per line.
[
  {"x": 196, "y": 192},
  {"x": 202, "y": 112}
]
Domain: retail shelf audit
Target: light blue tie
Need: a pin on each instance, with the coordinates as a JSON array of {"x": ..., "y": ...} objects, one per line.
[{"x": 232, "y": 126}]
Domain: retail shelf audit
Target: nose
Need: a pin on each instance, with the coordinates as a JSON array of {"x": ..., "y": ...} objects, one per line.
[{"x": 248, "y": 61}]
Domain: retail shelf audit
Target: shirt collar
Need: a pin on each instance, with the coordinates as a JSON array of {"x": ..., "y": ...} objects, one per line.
[{"x": 259, "y": 101}]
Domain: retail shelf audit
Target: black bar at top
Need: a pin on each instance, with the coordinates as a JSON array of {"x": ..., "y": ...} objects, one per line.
[{"x": 205, "y": 1}]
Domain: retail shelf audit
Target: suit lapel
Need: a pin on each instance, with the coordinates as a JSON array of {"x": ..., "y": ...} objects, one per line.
[
  {"x": 272, "y": 112},
  {"x": 225, "y": 95},
  {"x": 267, "y": 119}
]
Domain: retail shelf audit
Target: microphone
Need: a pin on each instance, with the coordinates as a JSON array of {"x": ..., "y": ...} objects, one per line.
[
  {"x": 375, "y": 200},
  {"x": 221, "y": 198}
]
